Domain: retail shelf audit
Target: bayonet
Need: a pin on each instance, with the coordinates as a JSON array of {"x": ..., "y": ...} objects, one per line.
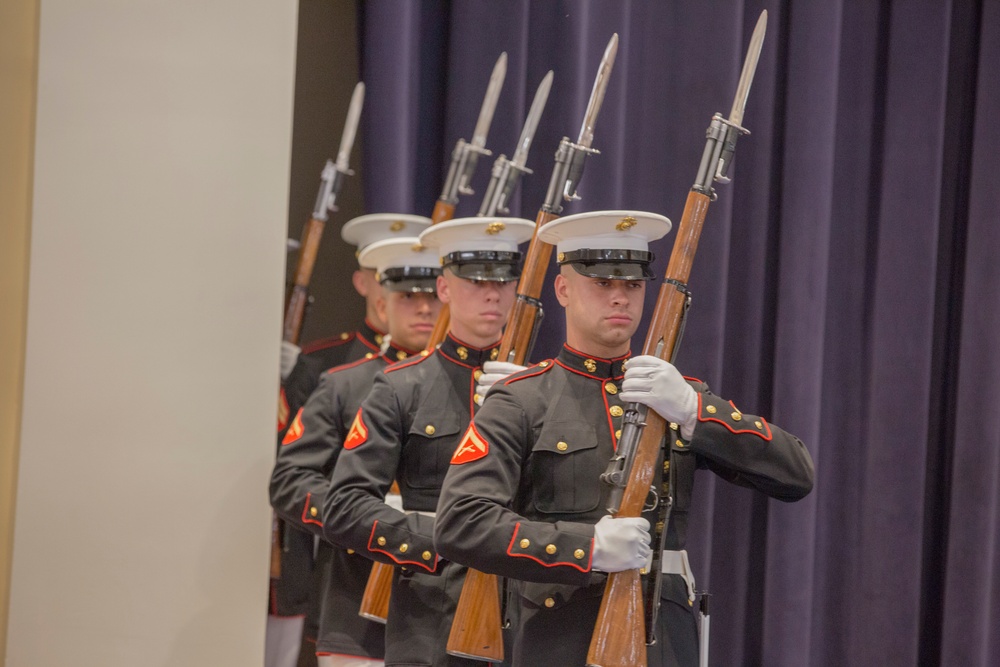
[
  {"x": 570, "y": 156},
  {"x": 506, "y": 173},
  {"x": 333, "y": 173},
  {"x": 733, "y": 126},
  {"x": 490, "y": 102},
  {"x": 350, "y": 128},
  {"x": 597, "y": 93},
  {"x": 466, "y": 153}
]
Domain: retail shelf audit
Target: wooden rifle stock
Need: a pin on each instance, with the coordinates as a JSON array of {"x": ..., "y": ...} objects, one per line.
[
  {"x": 295, "y": 309},
  {"x": 619, "y": 638},
  {"x": 375, "y": 601},
  {"x": 476, "y": 630}
]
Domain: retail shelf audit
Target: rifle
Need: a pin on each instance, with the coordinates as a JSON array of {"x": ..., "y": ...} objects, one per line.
[
  {"x": 619, "y": 638},
  {"x": 464, "y": 158},
  {"x": 331, "y": 181},
  {"x": 375, "y": 600},
  {"x": 476, "y": 629}
]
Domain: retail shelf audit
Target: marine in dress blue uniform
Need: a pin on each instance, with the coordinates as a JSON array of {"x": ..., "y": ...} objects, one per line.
[
  {"x": 407, "y": 429},
  {"x": 523, "y": 496}
]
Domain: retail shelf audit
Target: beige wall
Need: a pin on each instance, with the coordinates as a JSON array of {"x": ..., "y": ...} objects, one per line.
[
  {"x": 18, "y": 42},
  {"x": 159, "y": 210}
]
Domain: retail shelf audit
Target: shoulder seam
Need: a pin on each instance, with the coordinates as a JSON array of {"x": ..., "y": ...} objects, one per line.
[
  {"x": 406, "y": 363},
  {"x": 351, "y": 364},
  {"x": 529, "y": 373},
  {"x": 326, "y": 343}
]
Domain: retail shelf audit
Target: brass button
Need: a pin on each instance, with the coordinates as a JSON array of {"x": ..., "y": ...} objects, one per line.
[
  {"x": 679, "y": 443},
  {"x": 426, "y": 555},
  {"x": 313, "y": 511},
  {"x": 616, "y": 411},
  {"x": 579, "y": 554},
  {"x": 400, "y": 355},
  {"x": 610, "y": 388},
  {"x": 429, "y": 429},
  {"x": 562, "y": 446},
  {"x": 674, "y": 426},
  {"x": 543, "y": 364},
  {"x": 369, "y": 355},
  {"x": 550, "y": 549},
  {"x": 403, "y": 547},
  {"x": 476, "y": 374},
  {"x": 710, "y": 409},
  {"x": 642, "y": 570},
  {"x": 736, "y": 416},
  {"x": 525, "y": 543},
  {"x": 549, "y": 602},
  {"x": 378, "y": 338},
  {"x": 381, "y": 541},
  {"x": 666, "y": 466},
  {"x": 462, "y": 353},
  {"x": 424, "y": 353},
  {"x": 758, "y": 424},
  {"x": 618, "y": 434},
  {"x": 478, "y": 399},
  {"x": 350, "y": 551},
  {"x": 345, "y": 336},
  {"x": 590, "y": 365}
]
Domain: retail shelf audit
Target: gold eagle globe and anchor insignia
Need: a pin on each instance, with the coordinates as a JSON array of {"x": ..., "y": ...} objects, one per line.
[
  {"x": 495, "y": 228},
  {"x": 626, "y": 223},
  {"x": 591, "y": 365}
]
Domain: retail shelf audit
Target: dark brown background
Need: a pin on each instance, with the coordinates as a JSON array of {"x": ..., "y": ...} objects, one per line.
[{"x": 325, "y": 75}]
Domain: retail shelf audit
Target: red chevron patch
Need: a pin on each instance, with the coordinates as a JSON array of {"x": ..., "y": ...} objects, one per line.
[
  {"x": 358, "y": 433},
  {"x": 295, "y": 430},
  {"x": 472, "y": 447}
]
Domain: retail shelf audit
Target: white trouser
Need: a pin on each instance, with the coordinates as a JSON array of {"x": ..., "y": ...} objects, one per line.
[
  {"x": 282, "y": 640},
  {"x": 347, "y": 661},
  {"x": 676, "y": 562}
]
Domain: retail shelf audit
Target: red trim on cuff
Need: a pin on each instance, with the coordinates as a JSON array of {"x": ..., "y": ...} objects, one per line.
[
  {"x": 517, "y": 527},
  {"x": 418, "y": 563},
  {"x": 305, "y": 513},
  {"x": 767, "y": 427}
]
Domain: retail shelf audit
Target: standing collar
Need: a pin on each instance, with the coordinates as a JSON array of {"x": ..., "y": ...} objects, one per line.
[
  {"x": 467, "y": 355},
  {"x": 394, "y": 353},
  {"x": 369, "y": 335},
  {"x": 590, "y": 366}
]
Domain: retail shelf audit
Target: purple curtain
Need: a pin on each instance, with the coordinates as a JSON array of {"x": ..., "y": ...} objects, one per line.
[{"x": 845, "y": 284}]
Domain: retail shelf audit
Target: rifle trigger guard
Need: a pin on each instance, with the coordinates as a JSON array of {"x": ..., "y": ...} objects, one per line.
[{"x": 651, "y": 505}]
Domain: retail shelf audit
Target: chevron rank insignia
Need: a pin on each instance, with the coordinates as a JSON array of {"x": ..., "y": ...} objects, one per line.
[
  {"x": 471, "y": 448},
  {"x": 358, "y": 433},
  {"x": 295, "y": 430}
]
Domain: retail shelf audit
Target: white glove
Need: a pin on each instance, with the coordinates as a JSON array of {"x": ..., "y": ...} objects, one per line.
[
  {"x": 395, "y": 501},
  {"x": 289, "y": 355},
  {"x": 620, "y": 544},
  {"x": 493, "y": 372},
  {"x": 656, "y": 383}
]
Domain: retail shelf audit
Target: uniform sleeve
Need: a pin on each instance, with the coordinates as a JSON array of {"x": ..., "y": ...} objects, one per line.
[
  {"x": 745, "y": 449},
  {"x": 475, "y": 525},
  {"x": 355, "y": 515},
  {"x": 306, "y": 456},
  {"x": 299, "y": 386}
]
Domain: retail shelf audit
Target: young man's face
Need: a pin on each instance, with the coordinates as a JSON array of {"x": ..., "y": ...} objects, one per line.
[
  {"x": 601, "y": 314},
  {"x": 411, "y": 317},
  {"x": 479, "y": 310},
  {"x": 365, "y": 284}
]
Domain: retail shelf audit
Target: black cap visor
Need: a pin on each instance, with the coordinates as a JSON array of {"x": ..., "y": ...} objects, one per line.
[
  {"x": 610, "y": 264},
  {"x": 484, "y": 266},
  {"x": 410, "y": 279}
]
